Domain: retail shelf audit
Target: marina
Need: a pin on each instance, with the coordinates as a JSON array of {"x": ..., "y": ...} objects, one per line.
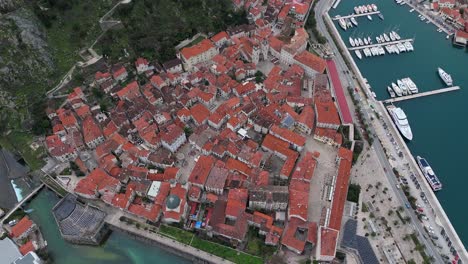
[
  {"x": 382, "y": 44},
  {"x": 356, "y": 15},
  {"x": 428, "y": 93},
  {"x": 450, "y": 109}
]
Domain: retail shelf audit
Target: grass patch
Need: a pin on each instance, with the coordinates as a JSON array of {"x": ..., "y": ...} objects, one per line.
[
  {"x": 225, "y": 252},
  {"x": 256, "y": 246},
  {"x": 18, "y": 142},
  {"x": 176, "y": 233}
]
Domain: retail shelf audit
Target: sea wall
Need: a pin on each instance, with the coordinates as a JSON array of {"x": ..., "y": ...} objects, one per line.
[{"x": 193, "y": 254}]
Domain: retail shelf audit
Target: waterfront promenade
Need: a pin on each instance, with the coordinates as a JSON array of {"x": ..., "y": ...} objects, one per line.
[
  {"x": 181, "y": 249},
  {"x": 437, "y": 209}
]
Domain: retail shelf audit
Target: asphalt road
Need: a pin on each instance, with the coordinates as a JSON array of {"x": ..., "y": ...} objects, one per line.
[{"x": 321, "y": 8}]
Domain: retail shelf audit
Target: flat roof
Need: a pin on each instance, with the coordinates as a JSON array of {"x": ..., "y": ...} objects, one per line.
[
  {"x": 154, "y": 188},
  {"x": 8, "y": 251},
  {"x": 339, "y": 92}
]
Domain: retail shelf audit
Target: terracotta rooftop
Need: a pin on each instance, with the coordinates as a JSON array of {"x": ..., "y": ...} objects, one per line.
[
  {"x": 201, "y": 170},
  {"x": 22, "y": 226},
  {"x": 197, "y": 49},
  {"x": 313, "y": 61}
]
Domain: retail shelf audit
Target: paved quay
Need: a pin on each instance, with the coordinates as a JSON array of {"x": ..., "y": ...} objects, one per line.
[
  {"x": 114, "y": 222},
  {"x": 323, "y": 17}
]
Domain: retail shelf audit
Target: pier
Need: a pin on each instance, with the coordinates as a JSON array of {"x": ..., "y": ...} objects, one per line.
[
  {"x": 408, "y": 97},
  {"x": 25, "y": 199},
  {"x": 381, "y": 44},
  {"x": 357, "y": 15}
]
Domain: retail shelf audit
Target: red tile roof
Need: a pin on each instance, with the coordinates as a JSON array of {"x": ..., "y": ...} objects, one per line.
[
  {"x": 311, "y": 60},
  {"x": 305, "y": 167},
  {"x": 197, "y": 49},
  {"x": 201, "y": 170},
  {"x": 307, "y": 117},
  {"x": 26, "y": 248},
  {"x": 22, "y": 226},
  {"x": 237, "y": 202},
  {"x": 199, "y": 113},
  {"x": 221, "y": 35},
  {"x": 328, "y": 241},
  {"x": 288, "y": 135},
  {"x": 327, "y": 113},
  {"x": 339, "y": 92},
  {"x": 341, "y": 188},
  {"x": 91, "y": 130}
]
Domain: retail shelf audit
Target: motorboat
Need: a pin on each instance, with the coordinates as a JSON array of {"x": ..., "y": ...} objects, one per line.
[
  {"x": 391, "y": 92},
  {"x": 351, "y": 41},
  {"x": 342, "y": 23},
  {"x": 386, "y": 37},
  {"x": 354, "y": 21},
  {"x": 397, "y": 89},
  {"x": 447, "y": 78},
  {"x": 369, "y": 17},
  {"x": 403, "y": 87},
  {"x": 358, "y": 54},
  {"x": 374, "y": 7}
]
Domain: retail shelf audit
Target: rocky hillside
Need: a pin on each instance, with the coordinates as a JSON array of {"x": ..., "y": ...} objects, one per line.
[{"x": 24, "y": 56}]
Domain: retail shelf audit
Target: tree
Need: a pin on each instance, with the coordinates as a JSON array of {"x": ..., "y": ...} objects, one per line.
[
  {"x": 188, "y": 131},
  {"x": 259, "y": 77}
]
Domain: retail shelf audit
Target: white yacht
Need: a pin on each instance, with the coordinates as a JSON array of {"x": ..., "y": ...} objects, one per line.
[
  {"x": 403, "y": 87},
  {"x": 395, "y": 48},
  {"x": 401, "y": 121},
  {"x": 358, "y": 54},
  {"x": 369, "y": 7},
  {"x": 342, "y": 23},
  {"x": 401, "y": 47},
  {"x": 411, "y": 85},
  {"x": 386, "y": 37},
  {"x": 360, "y": 42},
  {"x": 378, "y": 39},
  {"x": 389, "y": 49},
  {"x": 408, "y": 46},
  {"x": 369, "y": 40},
  {"x": 365, "y": 41},
  {"x": 396, "y": 35},
  {"x": 351, "y": 41},
  {"x": 397, "y": 89},
  {"x": 391, "y": 92},
  {"x": 348, "y": 23},
  {"x": 369, "y": 17},
  {"x": 365, "y": 9},
  {"x": 392, "y": 37},
  {"x": 374, "y": 7},
  {"x": 445, "y": 77},
  {"x": 356, "y": 10},
  {"x": 367, "y": 52},
  {"x": 353, "y": 20},
  {"x": 411, "y": 10},
  {"x": 381, "y": 50}
]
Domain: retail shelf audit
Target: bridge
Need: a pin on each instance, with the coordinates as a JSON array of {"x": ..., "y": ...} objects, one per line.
[
  {"x": 408, "y": 97},
  {"x": 381, "y": 44},
  {"x": 356, "y": 15},
  {"x": 25, "y": 199}
]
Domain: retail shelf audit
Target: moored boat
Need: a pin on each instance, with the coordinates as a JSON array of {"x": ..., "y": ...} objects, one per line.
[
  {"x": 354, "y": 21},
  {"x": 391, "y": 92},
  {"x": 358, "y": 54},
  {"x": 351, "y": 41},
  {"x": 342, "y": 23},
  {"x": 374, "y": 7},
  {"x": 429, "y": 174},
  {"x": 401, "y": 121},
  {"x": 397, "y": 89},
  {"x": 445, "y": 77},
  {"x": 369, "y": 17}
]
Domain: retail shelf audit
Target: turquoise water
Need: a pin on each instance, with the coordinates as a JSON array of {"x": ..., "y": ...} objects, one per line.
[
  {"x": 119, "y": 248},
  {"x": 438, "y": 122}
]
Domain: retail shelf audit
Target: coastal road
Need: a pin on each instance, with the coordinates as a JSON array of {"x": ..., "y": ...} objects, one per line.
[{"x": 321, "y": 8}]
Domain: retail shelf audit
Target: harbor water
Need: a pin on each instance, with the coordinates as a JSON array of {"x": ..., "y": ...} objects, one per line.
[
  {"x": 119, "y": 248},
  {"x": 439, "y": 122}
]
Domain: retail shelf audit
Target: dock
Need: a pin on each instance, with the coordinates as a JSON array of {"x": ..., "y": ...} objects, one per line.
[
  {"x": 357, "y": 15},
  {"x": 408, "y": 97},
  {"x": 381, "y": 44}
]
